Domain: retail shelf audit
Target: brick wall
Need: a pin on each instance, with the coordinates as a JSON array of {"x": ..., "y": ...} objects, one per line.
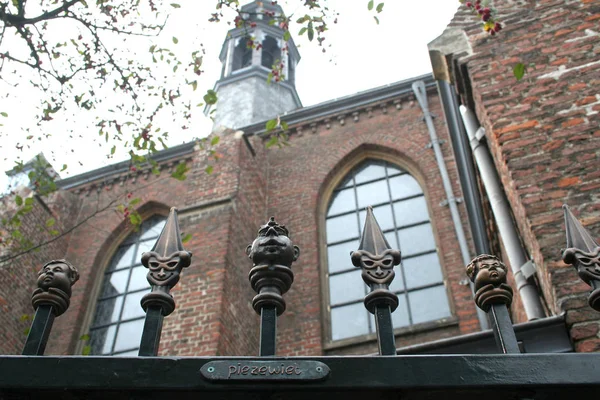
[{"x": 544, "y": 133}]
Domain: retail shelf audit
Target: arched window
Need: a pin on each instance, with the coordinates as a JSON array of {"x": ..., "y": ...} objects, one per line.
[
  {"x": 242, "y": 54},
  {"x": 119, "y": 318},
  {"x": 271, "y": 52},
  {"x": 401, "y": 211}
]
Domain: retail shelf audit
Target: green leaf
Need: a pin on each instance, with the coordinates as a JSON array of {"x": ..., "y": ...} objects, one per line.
[
  {"x": 135, "y": 219},
  {"x": 302, "y": 31},
  {"x": 175, "y": 40},
  {"x": 175, "y": 5},
  {"x": 4, "y": 114},
  {"x": 379, "y": 7},
  {"x": 273, "y": 141},
  {"x": 19, "y": 200},
  {"x": 214, "y": 141},
  {"x": 519, "y": 71},
  {"x": 210, "y": 97},
  {"x": 29, "y": 201},
  {"x": 50, "y": 222},
  {"x": 186, "y": 238},
  {"x": 134, "y": 201},
  {"x": 376, "y": 19},
  {"x": 85, "y": 337},
  {"x": 112, "y": 150},
  {"x": 209, "y": 169},
  {"x": 87, "y": 350},
  {"x": 287, "y": 36},
  {"x": 25, "y": 317},
  {"x": 180, "y": 171},
  {"x": 54, "y": 232},
  {"x": 311, "y": 31},
  {"x": 194, "y": 85},
  {"x": 270, "y": 125},
  {"x": 284, "y": 125},
  {"x": 63, "y": 167},
  {"x": 370, "y": 5}
]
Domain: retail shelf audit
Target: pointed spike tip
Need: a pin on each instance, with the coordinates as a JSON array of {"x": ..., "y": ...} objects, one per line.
[
  {"x": 577, "y": 236},
  {"x": 372, "y": 239},
  {"x": 169, "y": 240}
]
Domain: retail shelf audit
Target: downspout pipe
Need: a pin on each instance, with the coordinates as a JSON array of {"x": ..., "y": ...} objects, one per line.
[
  {"x": 421, "y": 95},
  {"x": 501, "y": 210}
]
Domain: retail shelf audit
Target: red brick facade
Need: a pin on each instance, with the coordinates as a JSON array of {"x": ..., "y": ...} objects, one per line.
[
  {"x": 543, "y": 132},
  {"x": 544, "y": 136}
]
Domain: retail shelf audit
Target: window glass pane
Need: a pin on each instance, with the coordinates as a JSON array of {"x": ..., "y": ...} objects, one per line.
[
  {"x": 144, "y": 247},
  {"x": 101, "y": 340},
  {"x": 152, "y": 227},
  {"x": 129, "y": 336},
  {"x": 133, "y": 308},
  {"x": 369, "y": 172},
  {"x": 393, "y": 170},
  {"x": 341, "y": 228},
  {"x": 138, "y": 279},
  {"x": 429, "y": 304},
  {"x": 422, "y": 270},
  {"x": 349, "y": 321},
  {"x": 411, "y": 211},
  {"x": 400, "y": 316},
  {"x": 108, "y": 311},
  {"x": 122, "y": 258},
  {"x": 346, "y": 287},
  {"x": 416, "y": 239},
  {"x": 404, "y": 186},
  {"x": 338, "y": 256},
  {"x": 397, "y": 284},
  {"x": 115, "y": 283},
  {"x": 384, "y": 217},
  {"x": 372, "y": 193},
  {"x": 342, "y": 201},
  {"x": 391, "y": 239}
]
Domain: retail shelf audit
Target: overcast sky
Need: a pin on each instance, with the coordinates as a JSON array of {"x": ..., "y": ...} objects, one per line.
[{"x": 362, "y": 55}]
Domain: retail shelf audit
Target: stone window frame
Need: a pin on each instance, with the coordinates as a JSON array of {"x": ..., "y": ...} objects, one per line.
[{"x": 339, "y": 175}]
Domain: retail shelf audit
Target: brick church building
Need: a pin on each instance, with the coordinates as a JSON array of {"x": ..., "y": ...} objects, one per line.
[{"x": 403, "y": 149}]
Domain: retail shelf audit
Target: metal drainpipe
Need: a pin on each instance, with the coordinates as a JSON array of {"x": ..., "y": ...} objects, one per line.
[
  {"x": 501, "y": 210},
  {"x": 421, "y": 94}
]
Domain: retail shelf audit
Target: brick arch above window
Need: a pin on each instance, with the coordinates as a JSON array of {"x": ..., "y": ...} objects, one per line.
[
  {"x": 401, "y": 209},
  {"x": 118, "y": 317}
]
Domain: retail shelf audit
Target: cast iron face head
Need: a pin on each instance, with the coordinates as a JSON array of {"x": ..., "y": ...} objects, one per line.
[
  {"x": 486, "y": 269},
  {"x": 273, "y": 246},
  {"x": 376, "y": 268},
  {"x": 586, "y": 262},
  {"x": 57, "y": 274},
  {"x": 165, "y": 271}
]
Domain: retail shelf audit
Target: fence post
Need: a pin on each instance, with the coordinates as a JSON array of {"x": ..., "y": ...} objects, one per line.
[
  {"x": 583, "y": 252},
  {"x": 377, "y": 262},
  {"x": 494, "y": 296},
  {"x": 50, "y": 299},
  {"x": 165, "y": 262},
  {"x": 272, "y": 254}
]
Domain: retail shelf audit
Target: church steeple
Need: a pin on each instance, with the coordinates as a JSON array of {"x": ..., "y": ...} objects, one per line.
[{"x": 248, "y": 56}]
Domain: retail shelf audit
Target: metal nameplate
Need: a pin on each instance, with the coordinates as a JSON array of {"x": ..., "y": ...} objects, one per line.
[{"x": 282, "y": 370}]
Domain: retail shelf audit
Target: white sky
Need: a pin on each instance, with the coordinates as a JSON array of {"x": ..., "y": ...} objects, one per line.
[{"x": 362, "y": 55}]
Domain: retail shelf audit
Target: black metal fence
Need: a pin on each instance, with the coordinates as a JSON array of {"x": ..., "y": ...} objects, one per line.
[{"x": 506, "y": 375}]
